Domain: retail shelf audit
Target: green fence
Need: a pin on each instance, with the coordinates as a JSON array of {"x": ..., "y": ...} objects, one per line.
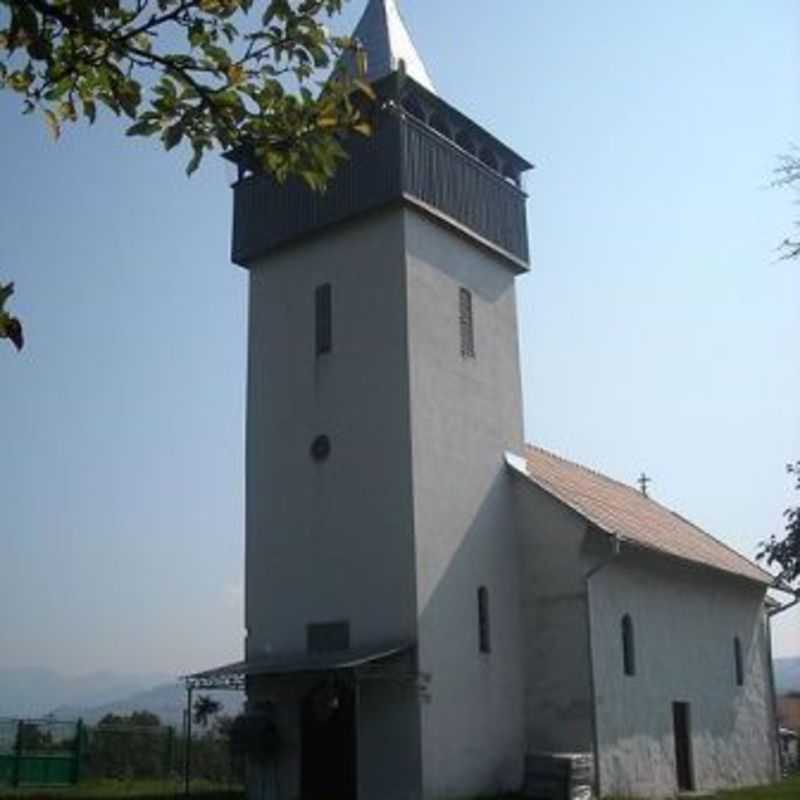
[{"x": 40, "y": 752}]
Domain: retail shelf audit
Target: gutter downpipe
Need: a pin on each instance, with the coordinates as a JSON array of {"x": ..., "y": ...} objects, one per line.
[
  {"x": 616, "y": 550},
  {"x": 775, "y": 738},
  {"x": 773, "y": 690}
]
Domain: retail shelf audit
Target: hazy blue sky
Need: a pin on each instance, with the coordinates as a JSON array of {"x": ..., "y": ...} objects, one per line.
[{"x": 659, "y": 331}]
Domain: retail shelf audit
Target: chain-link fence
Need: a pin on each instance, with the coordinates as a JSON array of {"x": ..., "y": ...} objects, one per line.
[
  {"x": 157, "y": 752},
  {"x": 50, "y": 753},
  {"x": 39, "y": 752}
]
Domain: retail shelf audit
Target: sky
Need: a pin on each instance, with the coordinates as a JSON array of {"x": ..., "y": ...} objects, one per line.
[{"x": 659, "y": 329}]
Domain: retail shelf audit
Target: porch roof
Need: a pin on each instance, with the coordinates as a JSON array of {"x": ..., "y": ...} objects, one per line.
[{"x": 233, "y": 676}]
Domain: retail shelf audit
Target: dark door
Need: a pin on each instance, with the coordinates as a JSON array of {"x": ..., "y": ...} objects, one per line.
[
  {"x": 328, "y": 754},
  {"x": 683, "y": 746}
]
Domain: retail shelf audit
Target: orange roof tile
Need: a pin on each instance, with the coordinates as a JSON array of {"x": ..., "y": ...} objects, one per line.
[{"x": 621, "y": 510}]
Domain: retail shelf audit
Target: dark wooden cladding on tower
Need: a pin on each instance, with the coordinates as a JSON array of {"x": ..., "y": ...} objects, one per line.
[
  {"x": 405, "y": 160},
  {"x": 441, "y": 175},
  {"x": 267, "y": 215}
]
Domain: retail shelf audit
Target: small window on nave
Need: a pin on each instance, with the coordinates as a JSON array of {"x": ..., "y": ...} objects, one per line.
[
  {"x": 738, "y": 661},
  {"x": 628, "y": 646},
  {"x": 484, "y": 633}
]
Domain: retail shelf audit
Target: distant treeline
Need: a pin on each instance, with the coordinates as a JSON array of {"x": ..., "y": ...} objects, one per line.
[{"x": 138, "y": 746}]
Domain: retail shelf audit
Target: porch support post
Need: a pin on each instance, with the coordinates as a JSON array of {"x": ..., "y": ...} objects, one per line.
[{"x": 187, "y": 754}]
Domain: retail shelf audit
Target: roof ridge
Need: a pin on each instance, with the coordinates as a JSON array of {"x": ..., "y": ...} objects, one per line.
[
  {"x": 647, "y": 501},
  {"x": 595, "y": 472}
]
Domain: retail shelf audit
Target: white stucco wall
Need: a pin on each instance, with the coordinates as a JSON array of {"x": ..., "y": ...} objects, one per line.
[
  {"x": 558, "y": 701},
  {"x": 330, "y": 541},
  {"x": 464, "y": 414},
  {"x": 685, "y": 620},
  {"x": 333, "y": 541}
]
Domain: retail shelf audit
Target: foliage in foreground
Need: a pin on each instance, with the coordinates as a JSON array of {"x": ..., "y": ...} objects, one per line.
[
  {"x": 10, "y": 327},
  {"x": 218, "y": 74},
  {"x": 785, "y": 552},
  {"x": 215, "y": 74},
  {"x": 787, "y": 174}
]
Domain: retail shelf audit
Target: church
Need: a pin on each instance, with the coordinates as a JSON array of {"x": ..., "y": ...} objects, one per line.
[{"x": 435, "y": 609}]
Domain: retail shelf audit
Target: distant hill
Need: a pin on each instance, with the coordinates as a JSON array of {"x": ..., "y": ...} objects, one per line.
[
  {"x": 787, "y": 675},
  {"x": 34, "y": 692},
  {"x": 167, "y": 701}
]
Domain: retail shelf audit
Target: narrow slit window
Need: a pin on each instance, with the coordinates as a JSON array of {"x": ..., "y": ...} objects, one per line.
[
  {"x": 484, "y": 633},
  {"x": 628, "y": 646},
  {"x": 738, "y": 662},
  {"x": 323, "y": 302},
  {"x": 466, "y": 323}
]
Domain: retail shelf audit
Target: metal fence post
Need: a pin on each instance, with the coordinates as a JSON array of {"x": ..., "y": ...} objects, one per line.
[
  {"x": 168, "y": 754},
  {"x": 17, "y": 754},
  {"x": 78, "y": 752},
  {"x": 187, "y": 766}
]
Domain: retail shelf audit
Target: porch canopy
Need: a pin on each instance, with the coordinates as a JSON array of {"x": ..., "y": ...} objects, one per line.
[
  {"x": 234, "y": 676},
  {"x": 363, "y": 663}
]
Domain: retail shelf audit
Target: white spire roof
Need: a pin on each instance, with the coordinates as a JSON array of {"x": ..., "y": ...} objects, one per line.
[{"x": 384, "y": 36}]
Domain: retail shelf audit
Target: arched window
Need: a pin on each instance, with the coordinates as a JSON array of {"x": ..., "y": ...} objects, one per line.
[
  {"x": 440, "y": 124},
  {"x": 737, "y": 658},
  {"x": 484, "y": 634},
  {"x": 628, "y": 646}
]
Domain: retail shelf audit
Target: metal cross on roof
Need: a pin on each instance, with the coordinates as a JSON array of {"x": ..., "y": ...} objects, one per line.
[{"x": 644, "y": 481}]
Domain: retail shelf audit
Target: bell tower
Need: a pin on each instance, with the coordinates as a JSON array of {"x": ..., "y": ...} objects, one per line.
[{"x": 383, "y": 391}]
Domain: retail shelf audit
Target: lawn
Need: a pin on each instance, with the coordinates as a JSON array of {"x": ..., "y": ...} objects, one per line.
[
  {"x": 157, "y": 790},
  {"x": 788, "y": 790},
  {"x": 120, "y": 789}
]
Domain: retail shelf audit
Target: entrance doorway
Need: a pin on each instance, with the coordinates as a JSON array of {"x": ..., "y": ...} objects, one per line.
[
  {"x": 681, "y": 715},
  {"x": 328, "y": 743}
]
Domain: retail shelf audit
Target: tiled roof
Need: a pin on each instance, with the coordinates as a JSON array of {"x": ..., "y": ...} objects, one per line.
[
  {"x": 621, "y": 510},
  {"x": 384, "y": 36}
]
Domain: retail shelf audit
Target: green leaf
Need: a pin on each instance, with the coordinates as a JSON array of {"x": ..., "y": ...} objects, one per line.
[
  {"x": 52, "y": 123},
  {"x": 195, "y": 161},
  {"x": 90, "y": 110},
  {"x": 365, "y": 88},
  {"x": 143, "y": 128},
  {"x": 10, "y": 327},
  {"x": 27, "y": 20},
  {"x": 173, "y": 135},
  {"x": 5, "y": 293}
]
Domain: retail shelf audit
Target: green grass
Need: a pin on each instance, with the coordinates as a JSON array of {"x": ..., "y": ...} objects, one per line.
[
  {"x": 788, "y": 790},
  {"x": 120, "y": 789},
  {"x": 157, "y": 790}
]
